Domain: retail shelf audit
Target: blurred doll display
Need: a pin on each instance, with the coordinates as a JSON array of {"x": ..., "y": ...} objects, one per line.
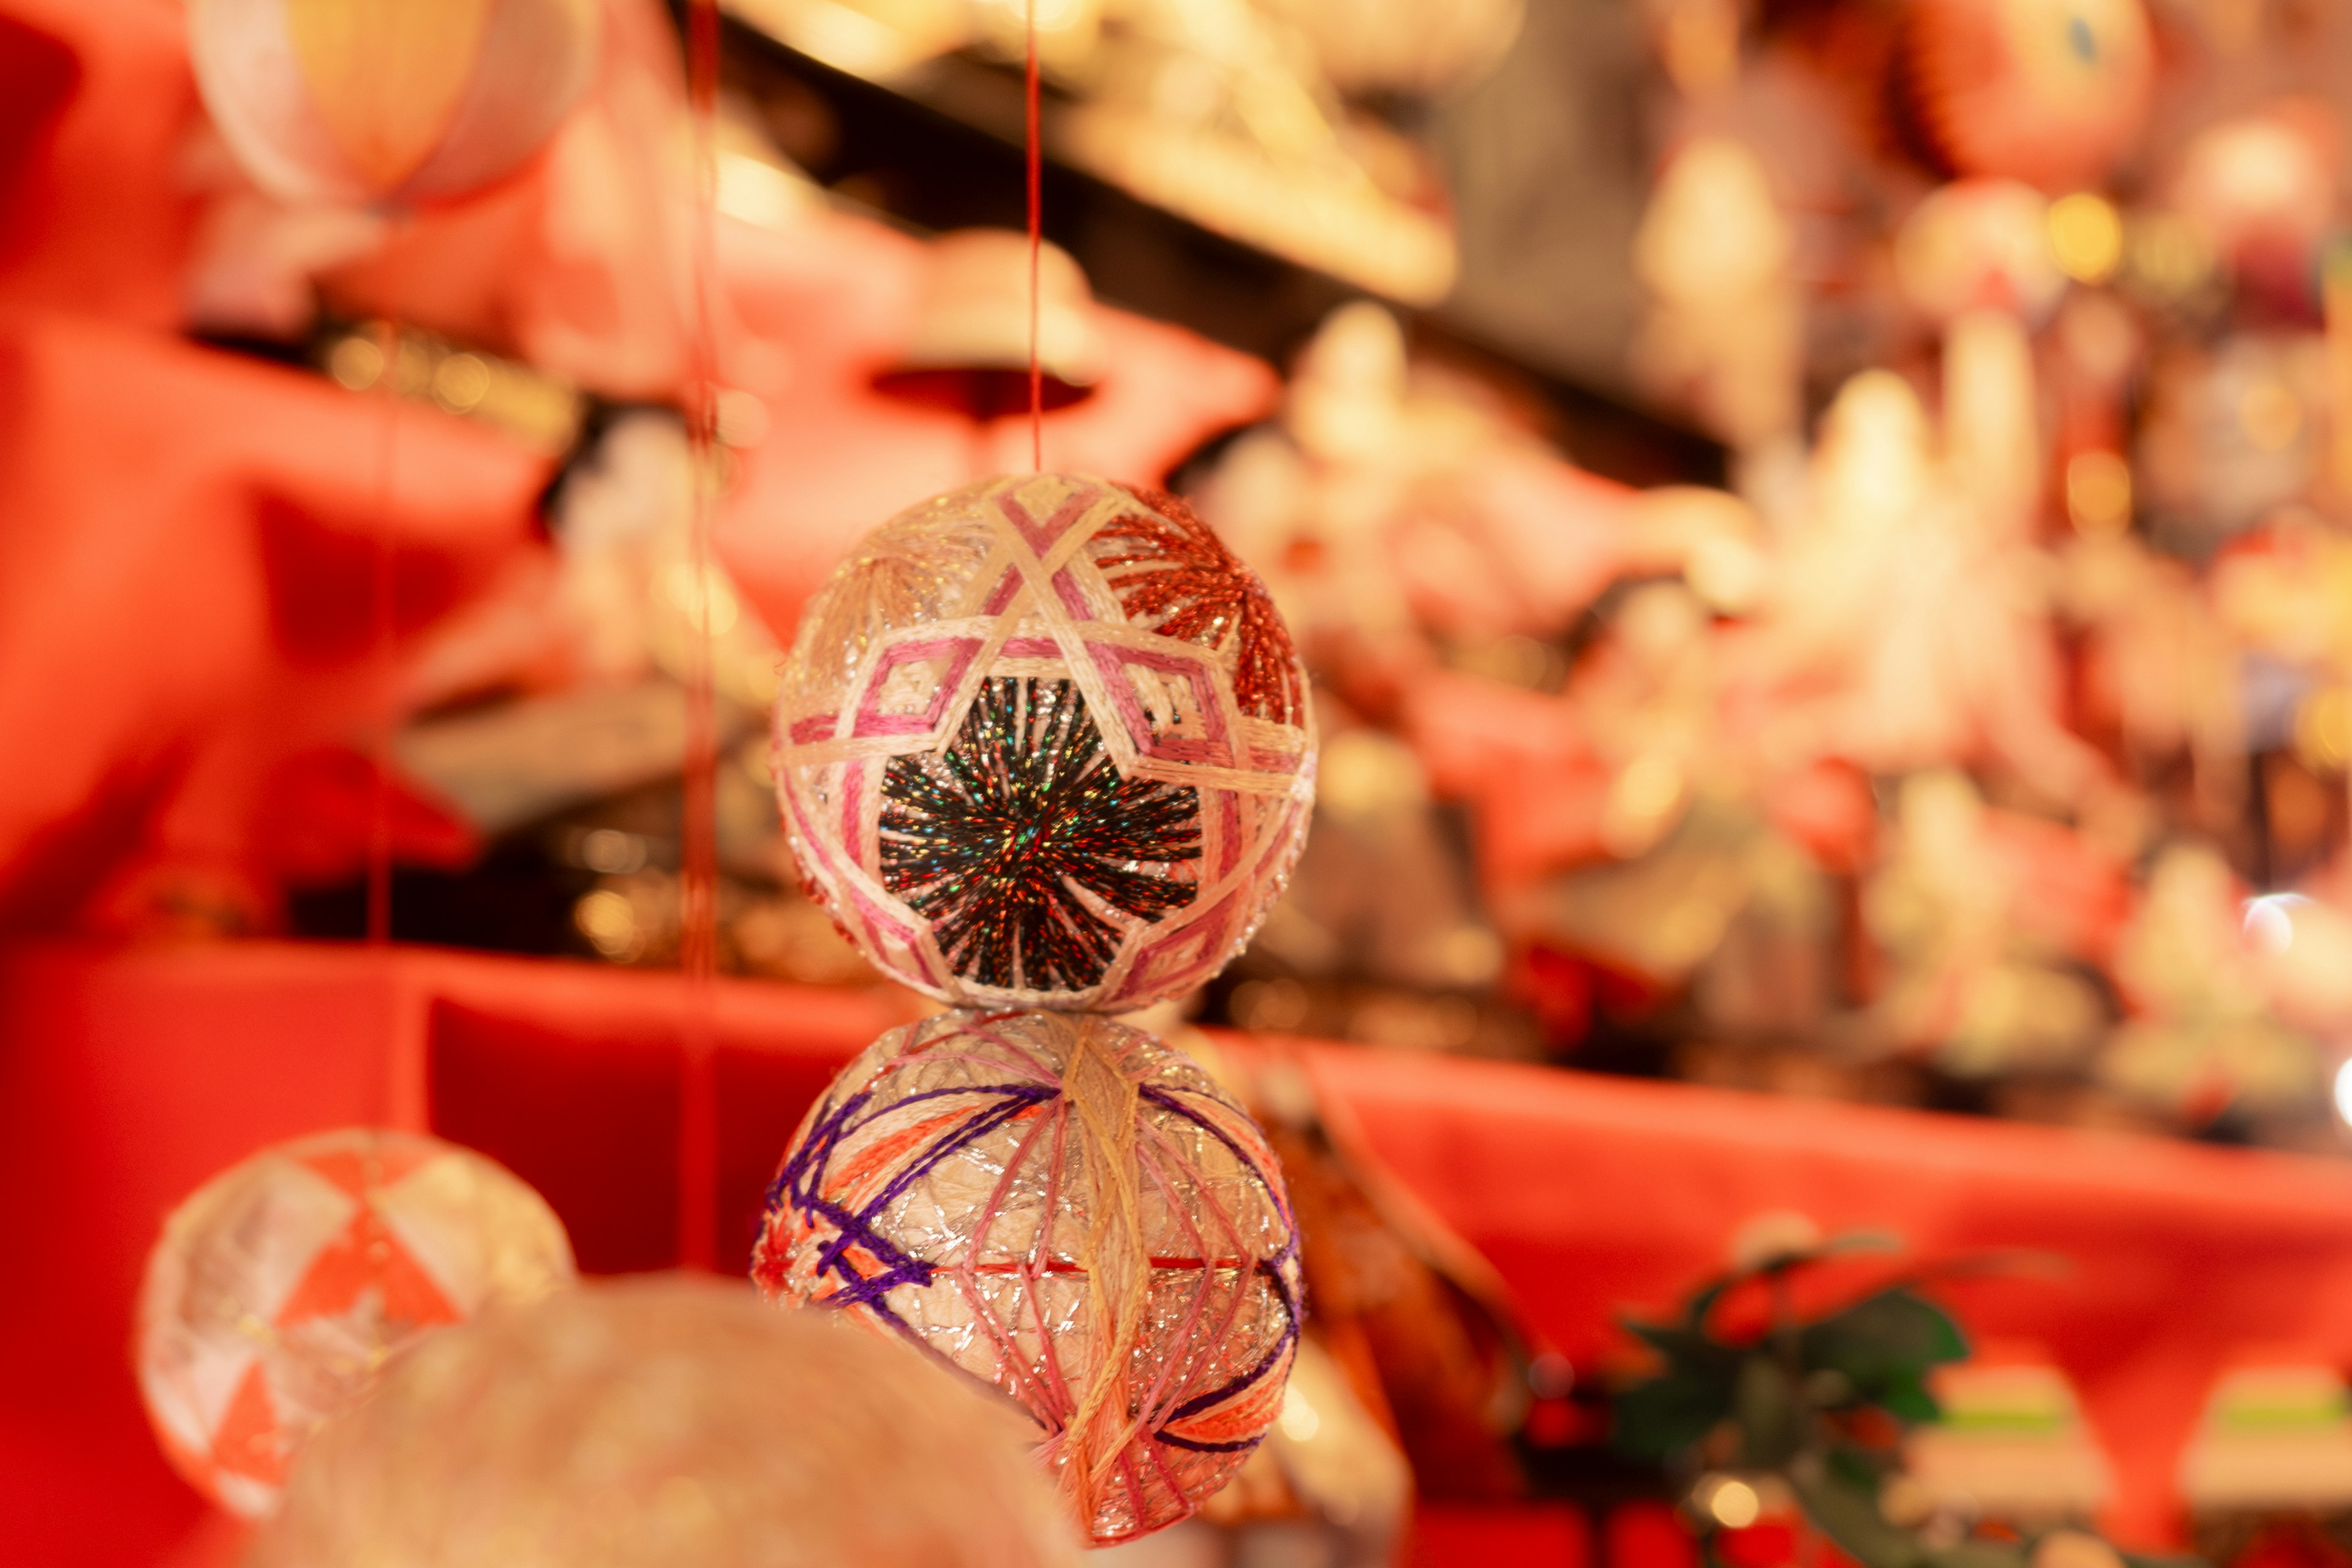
[{"x": 1913, "y": 760}]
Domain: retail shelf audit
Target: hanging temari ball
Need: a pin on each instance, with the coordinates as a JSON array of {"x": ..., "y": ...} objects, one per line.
[
  {"x": 389, "y": 102},
  {"x": 282, "y": 1285},
  {"x": 1068, "y": 1210},
  {"x": 1043, "y": 742}
]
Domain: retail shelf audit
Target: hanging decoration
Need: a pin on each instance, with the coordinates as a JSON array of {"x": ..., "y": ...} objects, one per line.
[
  {"x": 660, "y": 1422},
  {"x": 280, "y": 1286},
  {"x": 1044, "y": 743},
  {"x": 1073, "y": 1212},
  {"x": 388, "y": 102}
]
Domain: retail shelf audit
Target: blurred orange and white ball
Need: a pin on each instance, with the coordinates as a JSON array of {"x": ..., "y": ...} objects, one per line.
[
  {"x": 282, "y": 1285},
  {"x": 372, "y": 102}
]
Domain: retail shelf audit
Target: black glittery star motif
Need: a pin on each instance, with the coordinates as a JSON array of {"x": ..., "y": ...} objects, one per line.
[{"x": 988, "y": 840}]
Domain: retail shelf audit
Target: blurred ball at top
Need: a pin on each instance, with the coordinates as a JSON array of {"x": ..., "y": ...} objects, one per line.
[
  {"x": 1043, "y": 742},
  {"x": 280, "y": 1287},
  {"x": 667, "y": 1424},
  {"x": 2053, "y": 92},
  {"x": 391, "y": 103}
]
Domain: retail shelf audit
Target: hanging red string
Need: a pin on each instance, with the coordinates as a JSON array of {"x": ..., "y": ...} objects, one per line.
[
  {"x": 1036, "y": 243},
  {"x": 697, "y": 1125},
  {"x": 382, "y": 669}
]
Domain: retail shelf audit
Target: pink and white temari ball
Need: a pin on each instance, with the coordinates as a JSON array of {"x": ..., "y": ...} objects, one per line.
[
  {"x": 1071, "y": 1212},
  {"x": 1043, "y": 742},
  {"x": 281, "y": 1286}
]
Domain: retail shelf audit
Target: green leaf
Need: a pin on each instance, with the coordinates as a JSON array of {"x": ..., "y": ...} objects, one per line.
[
  {"x": 1658, "y": 1419},
  {"x": 1907, "y": 1400},
  {"x": 1885, "y": 1345}
]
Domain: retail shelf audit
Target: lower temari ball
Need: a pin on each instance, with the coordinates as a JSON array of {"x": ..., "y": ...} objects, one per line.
[
  {"x": 1070, "y": 1211},
  {"x": 282, "y": 1285}
]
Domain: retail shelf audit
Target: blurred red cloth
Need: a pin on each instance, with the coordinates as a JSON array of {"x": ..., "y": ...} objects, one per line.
[
  {"x": 186, "y": 535},
  {"x": 833, "y": 303},
  {"x": 126, "y": 1080},
  {"x": 186, "y": 546},
  {"x": 95, "y": 209}
]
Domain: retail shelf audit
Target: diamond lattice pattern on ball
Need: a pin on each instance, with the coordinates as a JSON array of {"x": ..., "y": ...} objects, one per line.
[{"x": 1044, "y": 742}]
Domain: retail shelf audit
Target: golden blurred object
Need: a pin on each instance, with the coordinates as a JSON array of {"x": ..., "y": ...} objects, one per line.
[
  {"x": 1725, "y": 328},
  {"x": 283, "y": 1286},
  {"x": 2098, "y": 494},
  {"x": 2051, "y": 92},
  {"x": 1403, "y": 45},
  {"x": 2323, "y": 730},
  {"x": 541, "y": 411},
  {"x": 389, "y": 102},
  {"x": 670, "y": 1422},
  {"x": 609, "y": 922},
  {"x": 1642, "y": 805},
  {"x": 2201, "y": 1038},
  {"x": 2167, "y": 255},
  {"x": 876, "y": 39},
  {"x": 1728, "y": 1502},
  {"x": 2087, "y": 235},
  {"x": 2270, "y": 413},
  {"x": 1992, "y": 446},
  {"x": 1335, "y": 220}
]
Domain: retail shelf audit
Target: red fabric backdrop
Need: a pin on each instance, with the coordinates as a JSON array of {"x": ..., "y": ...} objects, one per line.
[{"x": 127, "y": 1078}]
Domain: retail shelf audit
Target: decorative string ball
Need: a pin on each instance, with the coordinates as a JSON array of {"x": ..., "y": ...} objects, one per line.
[
  {"x": 369, "y": 102},
  {"x": 282, "y": 1285},
  {"x": 666, "y": 1423},
  {"x": 1043, "y": 742},
  {"x": 2053, "y": 92},
  {"x": 1070, "y": 1212}
]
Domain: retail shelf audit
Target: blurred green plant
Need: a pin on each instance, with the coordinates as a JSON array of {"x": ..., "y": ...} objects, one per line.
[{"x": 1747, "y": 1403}]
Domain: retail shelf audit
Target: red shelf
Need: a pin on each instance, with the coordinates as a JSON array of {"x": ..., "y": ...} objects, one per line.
[{"x": 127, "y": 1078}]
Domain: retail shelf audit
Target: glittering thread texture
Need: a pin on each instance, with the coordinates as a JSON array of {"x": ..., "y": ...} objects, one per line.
[
  {"x": 1183, "y": 582},
  {"x": 1067, "y": 1210},
  {"x": 1020, "y": 840}
]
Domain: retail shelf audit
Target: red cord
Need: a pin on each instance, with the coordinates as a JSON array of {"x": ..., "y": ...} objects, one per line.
[
  {"x": 697, "y": 1122},
  {"x": 383, "y": 669},
  {"x": 1036, "y": 243}
]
